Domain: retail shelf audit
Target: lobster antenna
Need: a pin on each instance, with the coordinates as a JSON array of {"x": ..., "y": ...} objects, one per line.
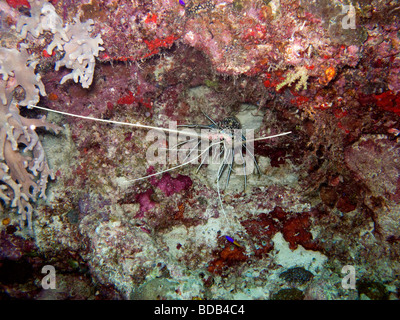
[{"x": 136, "y": 125}]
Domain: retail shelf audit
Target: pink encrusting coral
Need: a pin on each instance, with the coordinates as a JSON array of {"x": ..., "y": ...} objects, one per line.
[
  {"x": 169, "y": 185},
  {"x": 145, "y": 202}
]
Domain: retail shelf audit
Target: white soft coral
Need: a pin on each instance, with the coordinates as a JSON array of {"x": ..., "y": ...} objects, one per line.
[
  {"x": 80, "y": 48},
  {"x": 80, "y": 52},
  {"x": 43, "y": 18},
  {"x": 24, "y": 173},
  {"x": 17, "y": 70}
]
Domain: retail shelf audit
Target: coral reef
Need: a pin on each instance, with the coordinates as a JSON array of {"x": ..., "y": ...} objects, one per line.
[
  {"x": 327, "y": 195},
  {"x": 375, "y": 160}
]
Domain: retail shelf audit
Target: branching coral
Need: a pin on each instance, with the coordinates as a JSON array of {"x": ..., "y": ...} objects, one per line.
[
  {"x": 80, "y": 52},
  {"x": 23, "y": 173},
  {"x": 300, "y": 74},
  {"x": 16, "y": 69},
  {"x": 43, "y": 17},
  {"x": 80, "y": 48}
]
